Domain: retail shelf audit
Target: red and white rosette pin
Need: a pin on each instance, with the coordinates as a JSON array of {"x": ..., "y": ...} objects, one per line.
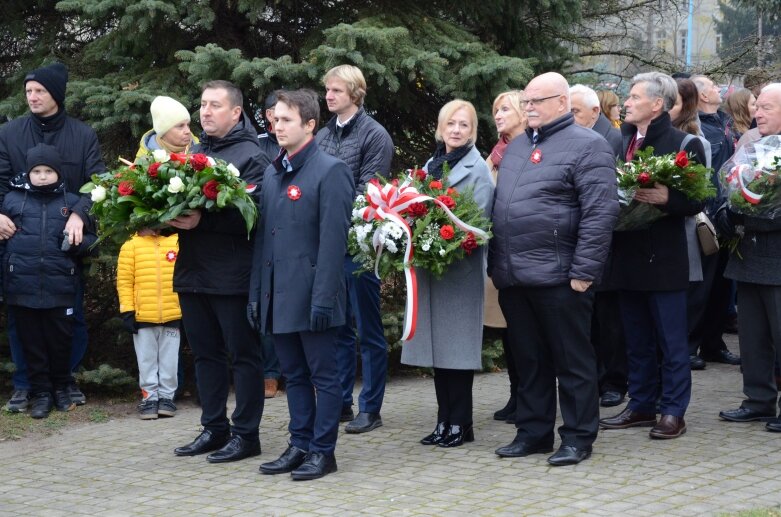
[
  {"x": 388, "y": 203},
  {"x": 171, "y": 255},
  {"x": 536, "y": 156},
  {"x": 294, "y": 193}
]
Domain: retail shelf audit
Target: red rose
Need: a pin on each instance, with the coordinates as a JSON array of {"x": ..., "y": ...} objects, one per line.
[
  {"x": 469, "y": 243},
  {"x": 447, "y": 232},
  {"x": 199, "y": 161},
  {"x": 452, "y": 192},
  {"x": 179, "y": 157},
  {"x": 447, "y": 201},
  {"x": 420, "y": 174},
  {"x": 417, "y": 210},
  {"x": 152, "y": 170},
  {"x": 125, "y": 188},
  {"x": 643, "y": 178},
  {"x": 210, "y": 189},
  {"x": 681, "y": 160},
  {"x": 395, "y": 182},
  {"x": 435, "y": 185}
]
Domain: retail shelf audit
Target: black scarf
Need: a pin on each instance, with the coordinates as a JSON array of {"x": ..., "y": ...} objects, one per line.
[
  {"x": 452, "y": 158},
  {"x": 43, "y": 125}
]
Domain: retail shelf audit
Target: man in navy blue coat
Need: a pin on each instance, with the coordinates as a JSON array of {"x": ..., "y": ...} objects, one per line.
[{"x": 297, "y": 287}]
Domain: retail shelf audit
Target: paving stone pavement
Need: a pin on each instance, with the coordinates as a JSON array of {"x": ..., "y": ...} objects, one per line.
[{"x": 127, "y": 467}]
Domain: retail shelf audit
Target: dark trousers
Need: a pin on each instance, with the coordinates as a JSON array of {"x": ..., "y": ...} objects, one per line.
[
  {"x": 607, "y": 336},
  {"x": 45, "y": 336},
  {"x": 78, "y": 342},
  {"x": 219, "y": 334},
  {"x": 708, "y": 304},
  {"x": 363, "y": 304},
  {"x": 549, "y": 330},
  {"x": 651, "y": 320},
  {"x": 512, "y": 371},
  {"x": 314, "y": 395},
  {"x": 454, "y": 395},
  {"x": 759, "y": 330}
]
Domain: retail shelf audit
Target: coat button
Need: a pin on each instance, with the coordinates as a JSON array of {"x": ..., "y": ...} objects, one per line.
[
  {"x": 273, "y": 231},
  {"x": 268, "y": 263},
  {"x": 268, "y": 295}
]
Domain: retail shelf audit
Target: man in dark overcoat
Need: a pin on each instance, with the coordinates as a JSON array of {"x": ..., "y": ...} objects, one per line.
[{"x": 297, "y": 287}]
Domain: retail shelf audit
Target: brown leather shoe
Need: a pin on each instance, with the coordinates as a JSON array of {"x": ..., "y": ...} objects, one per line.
[
  {"x": 628, "y": 418},
  {"x": 668, "y": 427},
  {"x": 271, "y": 386}
]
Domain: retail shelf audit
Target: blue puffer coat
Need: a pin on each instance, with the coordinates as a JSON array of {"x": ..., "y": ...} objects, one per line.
[{"x": 36, "y": 272}]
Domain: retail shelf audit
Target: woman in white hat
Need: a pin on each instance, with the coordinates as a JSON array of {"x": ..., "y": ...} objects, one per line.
[{"x": 171, "y": 128}]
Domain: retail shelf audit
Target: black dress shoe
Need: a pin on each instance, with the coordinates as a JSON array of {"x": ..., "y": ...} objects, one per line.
[
  {"x": 774, "y": 426},
  {"x": 315, "y": 465},
  {"x": 745, "y": 415},
  {"x": 457, "y": 435},
  {"x": 347, "y": 414},
  {"x": 723, "y": 356},
  {"x": 290, "y": 460},
  {"x": 510, "y": 418},
  {"x": 507, "y": 410},
  {"x": 205, "y": 442},
  {"x": 520, "y": 448},
  {"x": 439, "y": 434},
  {"x": 696, "y": 362},
  {"x": 364, "y": 423},
  {"x": 569, "y": 455},
  {"x": 611, "y": 398},
  {"x": 236, "y": 449},
  {"x": 628, "y": 418}
]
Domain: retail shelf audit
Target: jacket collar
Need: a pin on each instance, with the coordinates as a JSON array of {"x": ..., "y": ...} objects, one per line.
[
  {"x": 462, "y": 168},
  {"x": 296, "y": 160},
  {"x": 547, "y": 130},
  {"x": 349, "y": 126},
  {"x": 656, "y": 129}
]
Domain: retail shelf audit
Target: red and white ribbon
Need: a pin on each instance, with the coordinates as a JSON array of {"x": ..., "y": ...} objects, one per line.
[
  {"x": 388, "y": 203},
  {"x": 736, "y": 178}
]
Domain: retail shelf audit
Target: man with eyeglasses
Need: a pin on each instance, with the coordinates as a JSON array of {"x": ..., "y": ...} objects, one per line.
[{"x": 555, "y": 207}]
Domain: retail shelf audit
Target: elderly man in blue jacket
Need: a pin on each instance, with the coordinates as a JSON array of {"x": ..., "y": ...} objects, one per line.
[
  {"x": 297, "y": 287},
  {"x": 555, "y": 206}
]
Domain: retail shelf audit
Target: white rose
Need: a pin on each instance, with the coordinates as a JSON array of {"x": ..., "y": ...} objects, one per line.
[
  {"x": 211, "y": 161},
  {"x": 233, "y": 170},
  {"x": 98, "y": 194},
  {"x": 426, "y": 247},
  {"x": 442, "y": 252},
  {"x": 160, "y": 155},
  {"x": 175, "y": 185}
]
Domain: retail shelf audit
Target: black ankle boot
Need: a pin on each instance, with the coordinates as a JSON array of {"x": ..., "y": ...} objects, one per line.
[
  {"x": 457, "y": 435},
  {"x": 439, "y": 434},
  {"x": 507, "y": 410}
]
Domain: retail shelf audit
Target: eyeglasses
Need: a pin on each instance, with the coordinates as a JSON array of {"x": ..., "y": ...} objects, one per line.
[{"x": 537, "y": 102}]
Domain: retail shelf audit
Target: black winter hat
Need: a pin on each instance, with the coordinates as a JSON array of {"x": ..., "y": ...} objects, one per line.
[
  {"x": 54, "y": 78},
  {"x": 44, "y": 154}
]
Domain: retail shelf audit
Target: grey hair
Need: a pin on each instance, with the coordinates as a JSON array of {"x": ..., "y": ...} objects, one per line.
[
  {"x": 772, "y": 87},
  {"x": 589, "y": 96},
  {"x": 700, "y": 82},
  {"x": 659, "y": 86}
]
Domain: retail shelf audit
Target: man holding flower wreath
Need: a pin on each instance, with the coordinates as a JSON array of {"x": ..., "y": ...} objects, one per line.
[{"x": 212, "y": 278}]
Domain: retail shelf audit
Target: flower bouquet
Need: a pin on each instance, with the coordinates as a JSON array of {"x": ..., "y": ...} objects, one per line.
[
  {"x": 676, "y": 171},
  {"x": 413, "y": 221},
  {"x": 160, "y": 187},
  {"x": 751, "y": 179}
]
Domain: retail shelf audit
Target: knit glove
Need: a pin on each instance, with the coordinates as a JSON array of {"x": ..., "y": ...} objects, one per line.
[
  {"x": 320, "y": 318},
  {"x": 129, "y": 321},
  {"x": 252, "y": 316}
]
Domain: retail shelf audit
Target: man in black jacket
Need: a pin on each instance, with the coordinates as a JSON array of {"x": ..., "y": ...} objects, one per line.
[
  {"x": 555, "y": 207},
  {"x": 587, "y": 113},
  {"x": 297, "y": 289},
  {"x": 78, "y": 145},
  {"x": 651, "y": 267},
  {"x": 212, "y": 278},
  {"x": 361, "y": 142}
]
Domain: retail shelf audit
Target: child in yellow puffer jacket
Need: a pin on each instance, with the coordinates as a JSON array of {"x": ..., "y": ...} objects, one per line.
[{"x": 150, "y": 310}]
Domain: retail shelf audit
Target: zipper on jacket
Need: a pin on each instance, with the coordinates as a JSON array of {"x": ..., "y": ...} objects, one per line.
[
  {"x": 43, "y": 247},
  {"x": 158, "y": 267},
  {"x": 507, "y": 212},
  {"x": 556, "y": 243}
]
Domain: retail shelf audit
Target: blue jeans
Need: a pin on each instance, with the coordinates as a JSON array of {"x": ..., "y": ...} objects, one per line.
[
  {"x": 363, "y": 303},
  {"x": 78, "y": 344}
]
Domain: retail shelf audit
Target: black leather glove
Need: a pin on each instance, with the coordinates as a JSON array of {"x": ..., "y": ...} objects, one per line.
[
  {"x": 320, "y": 318},
  {"x": 129, "y": 321},
  {"x": 252, "y": 315}
]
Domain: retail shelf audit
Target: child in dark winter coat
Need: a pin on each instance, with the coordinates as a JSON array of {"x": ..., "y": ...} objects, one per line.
[{"x": 39, "y": 275}]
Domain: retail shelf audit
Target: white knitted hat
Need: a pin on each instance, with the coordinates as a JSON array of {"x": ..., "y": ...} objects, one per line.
[{"x": 166, "y": 113}]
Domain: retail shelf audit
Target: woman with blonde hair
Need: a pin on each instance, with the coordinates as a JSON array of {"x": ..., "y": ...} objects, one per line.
[
  {"x": 609, "y": 103},
  {"x": 741, "y": 106},
  {"x": 449, "y": 331},
  {"x": 170, "y": 128},
  {"x": 510, "y": 119}
]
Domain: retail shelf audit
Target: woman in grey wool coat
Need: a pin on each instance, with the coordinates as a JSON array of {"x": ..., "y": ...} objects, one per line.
[{"x": 449, "y": 332}]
